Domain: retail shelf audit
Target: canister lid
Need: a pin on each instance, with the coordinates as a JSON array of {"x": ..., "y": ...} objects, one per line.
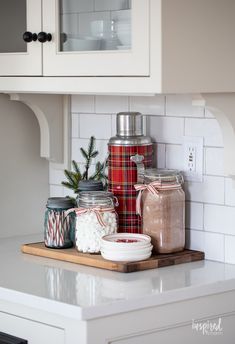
[
  {"x": 163, "y": 175},
  {"x": 95, "y": 198},
  {"x": 129, "y": 124},
  {"x": 60, "y": 203},
  {"x": 90, "y": 185}
]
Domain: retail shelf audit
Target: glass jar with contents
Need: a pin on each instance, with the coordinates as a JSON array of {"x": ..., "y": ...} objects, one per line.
[
  {"x": 95, "y": 217},
  {"x": 59, "y": 226},
  {"x": 163, "y": 209}
]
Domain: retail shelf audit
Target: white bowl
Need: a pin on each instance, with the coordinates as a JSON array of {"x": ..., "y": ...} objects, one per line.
[
  {"x": 125, "y": 241},
  {"x": 125, "y": 258},
  {"x": 131, "y": 252},
  {"x": 82, "y": 44},
  {"x": 129, "y": 248}
]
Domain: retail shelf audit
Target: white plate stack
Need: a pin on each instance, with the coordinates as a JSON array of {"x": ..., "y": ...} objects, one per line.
[{"x": 126, "y": 247}]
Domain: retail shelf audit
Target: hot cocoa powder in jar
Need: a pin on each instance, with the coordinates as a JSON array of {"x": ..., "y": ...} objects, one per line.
[{"x": 163, "y": 210}]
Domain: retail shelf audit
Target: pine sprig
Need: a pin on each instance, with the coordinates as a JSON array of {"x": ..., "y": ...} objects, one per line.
[
  {"x": 74, "y": 176},
  {"x": 89, "y": 155},
  {"x": 76, "y": 168}
]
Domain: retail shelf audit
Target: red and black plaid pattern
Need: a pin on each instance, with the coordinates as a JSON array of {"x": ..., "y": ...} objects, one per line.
[{"x": 122, "y": 175}]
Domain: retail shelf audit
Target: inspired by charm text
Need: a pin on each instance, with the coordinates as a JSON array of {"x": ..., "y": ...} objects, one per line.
[{"x": 208, "y": 327}]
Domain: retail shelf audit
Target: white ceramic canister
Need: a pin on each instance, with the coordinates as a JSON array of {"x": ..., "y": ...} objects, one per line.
[{"x": 95, "y": 217}]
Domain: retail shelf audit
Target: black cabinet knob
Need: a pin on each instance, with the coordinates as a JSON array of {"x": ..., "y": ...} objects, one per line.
[
  {"x": 29, "y": 37},
  {"x": 44, "y": 37}
]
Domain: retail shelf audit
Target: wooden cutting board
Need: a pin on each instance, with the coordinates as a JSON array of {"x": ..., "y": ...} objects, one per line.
[{"x": 96, "y": 260}]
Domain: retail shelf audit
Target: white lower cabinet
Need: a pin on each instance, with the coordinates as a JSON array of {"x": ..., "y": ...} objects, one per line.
[
  {"x": 32, "y": 331},
  {"x": 206, "y": 319}
]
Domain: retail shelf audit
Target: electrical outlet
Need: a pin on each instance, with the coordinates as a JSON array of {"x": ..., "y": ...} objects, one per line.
[{"x": 193, "y": 158}]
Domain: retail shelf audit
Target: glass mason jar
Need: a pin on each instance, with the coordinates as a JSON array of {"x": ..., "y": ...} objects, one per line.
[
  {"x": 163, "y": 210},
  {"x": 96, "y": 217},
  {"x": 59, "y": 226}
]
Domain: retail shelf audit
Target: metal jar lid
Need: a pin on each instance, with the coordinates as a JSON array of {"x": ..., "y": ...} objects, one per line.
[
  {"x": 60, "y": 203},
  {"x": 129, "y": 124},
  {"x": 95, "y": 198},
  {"x": 90, "y": 185},
  {"x": 163, "y": 176}
]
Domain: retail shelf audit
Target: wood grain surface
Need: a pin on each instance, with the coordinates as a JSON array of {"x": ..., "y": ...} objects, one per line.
[{"x": 96, "y": 260}]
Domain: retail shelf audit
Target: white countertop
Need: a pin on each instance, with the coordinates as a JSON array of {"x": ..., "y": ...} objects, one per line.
[{"x": 84, "y": 293}]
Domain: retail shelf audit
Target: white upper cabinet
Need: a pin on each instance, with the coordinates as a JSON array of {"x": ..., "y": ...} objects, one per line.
[
  {"x": 96, "y": 37},
  {"x": 16, "y": 56},
  {"x": 118, "y": 46}
]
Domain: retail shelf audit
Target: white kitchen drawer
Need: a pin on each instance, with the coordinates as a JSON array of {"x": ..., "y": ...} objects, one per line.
[{"x": 32, "y": 331}]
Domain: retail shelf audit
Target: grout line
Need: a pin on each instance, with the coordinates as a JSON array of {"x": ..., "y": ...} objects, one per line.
[
  {"x": 165, "y": 105},
  {"x": 224, "y": 247},
  {"x": 95, "y": 104},
  {"x": 203, "y": 216},
  {"x": 184, "y": 132},
  {"x": 165, "y": 156},
  {"x": 79, "y": 125},
  {"x": 194, "y": 229},
  {"x": 224, "y": 191},
  {"x": 173, "y": 144}
]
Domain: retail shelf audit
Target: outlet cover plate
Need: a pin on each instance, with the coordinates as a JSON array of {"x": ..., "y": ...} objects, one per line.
[{"x": 193, "y": 158}]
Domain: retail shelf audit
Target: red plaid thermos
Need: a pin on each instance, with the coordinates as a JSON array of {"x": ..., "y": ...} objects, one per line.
[{"x": 122, "y": 172}]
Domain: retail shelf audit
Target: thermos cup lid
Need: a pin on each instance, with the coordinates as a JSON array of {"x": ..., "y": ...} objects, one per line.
[{"x": 129, "y": 124}]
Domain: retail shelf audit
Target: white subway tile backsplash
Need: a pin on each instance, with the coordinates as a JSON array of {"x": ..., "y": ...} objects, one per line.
[
  {"x": 56, "y": 191},
  {"x": 76, "y": 6},
  {"x": 96, "y": 125},
  {"x": 211, "y": 190},
  {"x": 174, "y": 157},
  {"x": 100, "y": 145},
  {"x": 229, "y": 191},
  {"x": 210, "y": 206},
  {"x": 111, "y": 5},
  {"x": 75, "y": 125},
  {"x": 194, "y": 215},
  {"x": 195, "y": 240},
  {"x": 83, "y": 104},
  {"x": 208, "y": 128},
  {"x": 160, "y": 160},
  {"x": 148, "y": 105},
  {"x": 166, "y": 129},
  {"x": 68, "y": 192},
  {"x": 208, "y": 114},
  {"x": 214, "y": 161},
  {"x": 75, "y": 151},
  {"x": 220, "y": 219},
  {"x": 181, "y": 106},
  {"x": 111, "y": 104},
  {"x": 56, "y": 176},
  {"x": 230, "y": 249},
  {"x": 214, "y": 246},
  {"x": 114, "y": 126}
]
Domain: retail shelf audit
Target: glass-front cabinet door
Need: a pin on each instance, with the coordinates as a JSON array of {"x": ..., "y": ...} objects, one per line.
[
  {"x": 96, "y": 37},
  {"x": 19, "y": 53}
]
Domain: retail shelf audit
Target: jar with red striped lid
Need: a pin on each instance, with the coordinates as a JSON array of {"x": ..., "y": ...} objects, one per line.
[
  {"x": 161, "y": 203},
  {"x": 95, "y": 217}
]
